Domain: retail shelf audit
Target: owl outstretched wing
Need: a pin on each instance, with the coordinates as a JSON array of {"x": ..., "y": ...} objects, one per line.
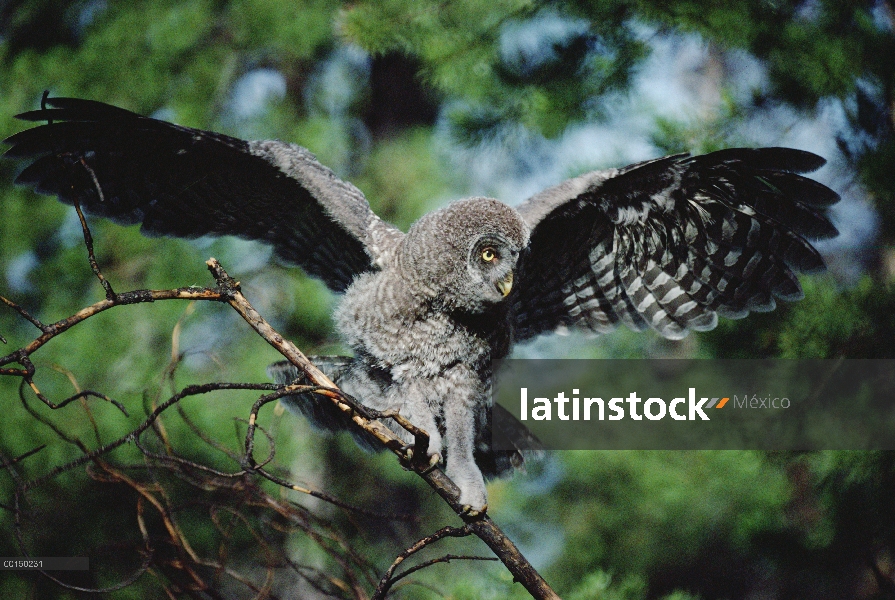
[
  {"x": 185, "y": 182},
  {"x": 672, "y": 243}
]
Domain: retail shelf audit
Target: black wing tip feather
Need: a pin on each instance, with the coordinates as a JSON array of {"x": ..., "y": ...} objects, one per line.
[
  {"x": 77, "y": 119},
  {"x": 768, "y": 180},
  {"x": 74, "y": 109},
  {"x": 774, "y": 158},
  {"x": 33, "y": 141}
]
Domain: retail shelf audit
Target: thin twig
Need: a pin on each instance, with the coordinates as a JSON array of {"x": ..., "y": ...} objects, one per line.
[
  {"x": 441, "y": 559},
  {"x": 388, "y": 579},
  {"x": 21, "y": 457},
  {"x": 134, "y": 297},
  {"x": 192, "y": 390},
  {"x": 81, "y": 395},
  {"x": 88, "y": 237},
  {"x": 251, "y": 465},
  {"x": 79, "y": 392},
  {"x": 24, "y": 313}
]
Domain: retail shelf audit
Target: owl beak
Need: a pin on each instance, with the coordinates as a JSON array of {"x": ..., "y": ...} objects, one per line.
[{"x": 505, "y": 285}]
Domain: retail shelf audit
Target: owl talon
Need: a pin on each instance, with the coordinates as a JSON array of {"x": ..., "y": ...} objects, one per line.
[
  {"x": 406, "y": 457},
  {"x": 468, "y": 512},
  {"x": 411, "y": 464},
  {"x": 434, "y": 459}
]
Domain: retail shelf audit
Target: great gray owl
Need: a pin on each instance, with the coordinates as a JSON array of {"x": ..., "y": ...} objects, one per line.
[{"x": 668, "y": 244}]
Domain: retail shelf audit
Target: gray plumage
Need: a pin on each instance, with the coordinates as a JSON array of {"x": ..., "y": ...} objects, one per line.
[{"x": 668, "y": 244}]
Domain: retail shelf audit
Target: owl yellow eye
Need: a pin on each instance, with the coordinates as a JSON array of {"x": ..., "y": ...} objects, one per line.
[{"x": 489, "y": 255}]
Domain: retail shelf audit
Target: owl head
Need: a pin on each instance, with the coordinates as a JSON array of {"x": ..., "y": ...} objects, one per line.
[{"x": 464, "y": 256}]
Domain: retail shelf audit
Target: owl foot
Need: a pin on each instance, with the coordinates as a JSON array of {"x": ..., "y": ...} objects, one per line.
[
  {"x": 434, "y": 459},
  {"x": 418, "y": 464},
  {"x": 468, "y": 512}
]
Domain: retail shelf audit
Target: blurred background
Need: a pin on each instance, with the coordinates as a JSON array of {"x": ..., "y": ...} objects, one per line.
[{"x": 418, "y": 103}]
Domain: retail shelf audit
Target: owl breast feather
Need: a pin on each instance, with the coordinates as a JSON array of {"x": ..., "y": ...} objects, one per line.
[{"x": 383, "y": 320}]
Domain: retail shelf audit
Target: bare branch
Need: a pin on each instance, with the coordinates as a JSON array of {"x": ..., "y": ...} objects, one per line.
[
  {"x": 24, "y": 313},
  {"x": 135, "y": 297},
  {"x": 388, "y": 579},
  {"x": 91, "y": 455},
  {"x": 441, "y": 559},
  {"x": 251, "y": 465},
  {"x": 88, "y": 237},
  {"x": 21, "y": 457}
]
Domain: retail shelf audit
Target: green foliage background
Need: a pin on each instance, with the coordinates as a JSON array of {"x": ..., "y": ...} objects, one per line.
[{"x": 612, "y": 524}]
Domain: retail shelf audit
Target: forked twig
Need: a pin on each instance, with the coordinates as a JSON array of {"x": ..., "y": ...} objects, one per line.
[{"x": 389, "y": 578}]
